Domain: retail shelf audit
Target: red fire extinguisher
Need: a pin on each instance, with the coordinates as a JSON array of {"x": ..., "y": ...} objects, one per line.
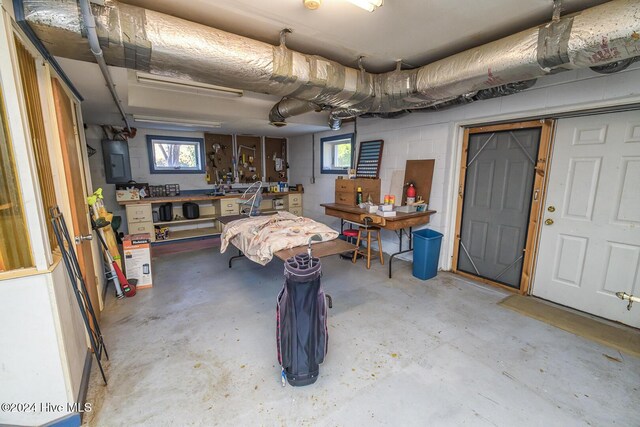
[{"x": 411, "y": 191}]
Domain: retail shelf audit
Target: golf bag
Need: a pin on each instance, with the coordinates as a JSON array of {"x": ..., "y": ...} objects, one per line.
[{"x": 301, "y": 321}]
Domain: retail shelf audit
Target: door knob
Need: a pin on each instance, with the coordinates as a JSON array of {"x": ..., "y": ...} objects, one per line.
[
  {"x": 549, "y": 221},
  {"x": 551, "y": 208},
  {"x": 80, "y": 239}
]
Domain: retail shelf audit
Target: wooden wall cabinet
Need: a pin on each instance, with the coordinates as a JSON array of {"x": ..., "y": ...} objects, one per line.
[
  {"x": 275, "y": 159},
  {"x": 257, "y": 158},
  {"x": 249, "y": 158},
  {"x": 218, "y": 153}
]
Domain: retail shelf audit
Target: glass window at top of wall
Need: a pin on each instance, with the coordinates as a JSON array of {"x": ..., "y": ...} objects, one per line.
[
  {"x": 336, "y": 153},
  {"x": 175, "y": 155},
  {"x": 15, "y": 251}
]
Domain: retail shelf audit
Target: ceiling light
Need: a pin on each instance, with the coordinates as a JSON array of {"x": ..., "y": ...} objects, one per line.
[
  {"x": 369, "y": 5},
  {"x": 176, "y": 121},
  {"x": 169, "y": 81},
  {"x": 312, "y": 4}
]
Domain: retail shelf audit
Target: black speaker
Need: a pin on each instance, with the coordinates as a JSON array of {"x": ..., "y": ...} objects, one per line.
[
  {"x": 190, "y": 210},
  {"x": 166, "y": 212}
]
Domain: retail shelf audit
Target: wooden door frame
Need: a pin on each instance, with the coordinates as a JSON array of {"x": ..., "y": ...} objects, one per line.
[
  {"x": 80, "y": 213},
  {"x": 538, "y": 195}
]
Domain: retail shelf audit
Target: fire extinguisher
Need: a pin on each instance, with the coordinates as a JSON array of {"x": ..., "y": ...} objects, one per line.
[{"x": 411, "y": 194}]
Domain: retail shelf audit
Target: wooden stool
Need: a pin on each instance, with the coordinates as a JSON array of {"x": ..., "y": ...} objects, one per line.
[{"x": 365, "y": 232}]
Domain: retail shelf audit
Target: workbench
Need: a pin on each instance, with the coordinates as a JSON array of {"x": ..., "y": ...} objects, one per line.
[
  {"x": 402, "y": 223},
  {"x": 212, "y": 208}
]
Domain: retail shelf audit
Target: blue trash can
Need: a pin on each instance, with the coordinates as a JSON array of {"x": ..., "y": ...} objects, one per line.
[{"x": 426, "y": 252}]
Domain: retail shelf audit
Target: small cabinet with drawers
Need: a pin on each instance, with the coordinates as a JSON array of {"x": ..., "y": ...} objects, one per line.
[
  {"x": 229, "y": 207},
  {"x": 346, "y": 190},
  {"x": 140, "y": 219},
  {"x": 293, "y": 203}
]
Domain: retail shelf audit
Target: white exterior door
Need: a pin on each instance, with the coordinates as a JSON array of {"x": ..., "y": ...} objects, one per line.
[{"x": 591, "y": 250}]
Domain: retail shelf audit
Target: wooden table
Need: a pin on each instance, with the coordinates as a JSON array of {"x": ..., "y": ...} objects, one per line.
[
  {"x": 402, "y": 223},
  {"x": 319, "y": 249}
]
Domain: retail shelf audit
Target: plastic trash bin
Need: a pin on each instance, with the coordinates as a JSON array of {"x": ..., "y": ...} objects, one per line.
[{"x": 426, "y": 252}]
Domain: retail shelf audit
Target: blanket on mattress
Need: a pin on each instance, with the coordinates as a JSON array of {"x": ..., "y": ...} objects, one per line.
[{"x": 260, "y": 237}]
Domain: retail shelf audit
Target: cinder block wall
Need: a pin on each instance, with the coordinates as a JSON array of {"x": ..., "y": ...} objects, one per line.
[{"x": 437, "y": 135}]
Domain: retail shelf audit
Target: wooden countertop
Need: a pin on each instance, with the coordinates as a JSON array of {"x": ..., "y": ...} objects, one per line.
[
  {"x": 355, "y": 214},
  {"x": 356, "y": 210},
  {"x": 198, "y": 197}
]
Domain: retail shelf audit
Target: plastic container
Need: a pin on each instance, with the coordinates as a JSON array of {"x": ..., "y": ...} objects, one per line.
[{"x": 426, "y": 252}]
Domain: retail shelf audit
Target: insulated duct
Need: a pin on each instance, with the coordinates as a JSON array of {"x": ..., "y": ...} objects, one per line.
[{"x": 153, "y": 42}]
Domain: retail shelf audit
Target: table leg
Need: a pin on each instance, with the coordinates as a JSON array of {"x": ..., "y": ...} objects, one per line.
[
  {"x": 240, "y": 255},
  {"x": 400, "y": 232}
]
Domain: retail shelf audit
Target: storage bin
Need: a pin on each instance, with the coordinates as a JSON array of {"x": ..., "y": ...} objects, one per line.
[{"x": 426, "y": 252}]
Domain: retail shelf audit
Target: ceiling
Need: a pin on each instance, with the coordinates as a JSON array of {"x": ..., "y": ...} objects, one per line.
[{"x": 414, "y": 31}]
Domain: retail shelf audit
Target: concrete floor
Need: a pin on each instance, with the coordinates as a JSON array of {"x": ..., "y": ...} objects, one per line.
[{"x": 199, "y": 350}]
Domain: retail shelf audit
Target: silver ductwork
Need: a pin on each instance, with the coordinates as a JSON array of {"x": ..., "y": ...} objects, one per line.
[
  {"x": 149, "y": 41},
  {"x": 289, "y": 107}
]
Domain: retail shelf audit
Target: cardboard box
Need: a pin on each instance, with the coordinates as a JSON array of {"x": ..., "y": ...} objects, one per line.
[
  {"x": 127, "y": 194},
  {"x": 132, "y": 191},
  {"x": 137, "y": 259}
]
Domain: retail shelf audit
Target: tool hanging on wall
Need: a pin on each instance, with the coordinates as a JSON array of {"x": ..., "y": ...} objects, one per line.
[{"x": 79, "y": 287}]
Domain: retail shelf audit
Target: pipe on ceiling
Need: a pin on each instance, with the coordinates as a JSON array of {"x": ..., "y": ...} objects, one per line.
[
  {"x": 153, "y": 42},
  {"x": 94, "y": 45}
]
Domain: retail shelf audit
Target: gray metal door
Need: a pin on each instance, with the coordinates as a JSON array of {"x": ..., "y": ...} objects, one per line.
[{"x": 497, "y": 201}]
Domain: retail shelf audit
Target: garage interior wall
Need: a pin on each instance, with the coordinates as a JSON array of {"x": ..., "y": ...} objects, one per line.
[
  {"x": 438, "y": 135},
  {"x": 139, "y": 167}
]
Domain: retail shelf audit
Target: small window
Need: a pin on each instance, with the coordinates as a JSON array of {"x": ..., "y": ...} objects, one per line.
[
  {"x": 170, "y": 154},
  {"x": 336, "y": 154}
]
